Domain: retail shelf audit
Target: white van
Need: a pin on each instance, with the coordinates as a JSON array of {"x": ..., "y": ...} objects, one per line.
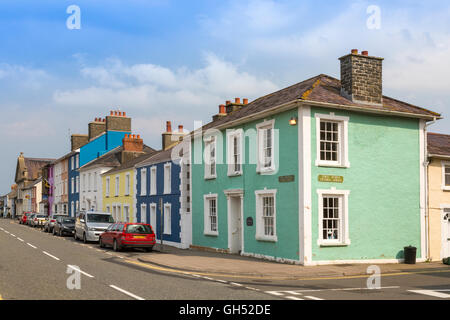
[{"x": 89, "y": 225}]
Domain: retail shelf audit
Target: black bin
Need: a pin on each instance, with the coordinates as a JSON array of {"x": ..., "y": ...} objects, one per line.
[{"x": 410, "y": 255}]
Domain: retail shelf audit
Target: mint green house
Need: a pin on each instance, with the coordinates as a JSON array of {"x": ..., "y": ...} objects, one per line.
[{"x": 325, "y": 171}]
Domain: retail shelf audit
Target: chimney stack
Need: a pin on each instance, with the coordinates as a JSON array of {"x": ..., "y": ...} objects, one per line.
[
  {"x": 231, "y": 107},
  {"x": 169, "y": 138},
  {"x": 118, "y": 121},
  {"x": 361, "y": 78},
  {"x": 78, "y": 140},
  {"x": 96, "y": 128},
  {"x": 133, "y": 146}
]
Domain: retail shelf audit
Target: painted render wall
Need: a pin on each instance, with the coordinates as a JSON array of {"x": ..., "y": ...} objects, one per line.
[
  {"x": 384, "y": 184},
  {"x": 437, "y": 198},
  {"x": 287, "y": 223},
  {"x": 101, "y": 145},
  {"x": 173, "y": 199}
]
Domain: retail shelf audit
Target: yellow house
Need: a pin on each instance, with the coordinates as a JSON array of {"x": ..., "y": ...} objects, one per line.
[
  {"x": 439, "y": 196},
  {"x": 119, "y": 191}
]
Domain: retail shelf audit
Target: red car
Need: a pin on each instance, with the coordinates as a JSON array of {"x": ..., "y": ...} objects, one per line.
[
  {"x": 128, "y": 235},
  {"x": 23, "y": 219}
]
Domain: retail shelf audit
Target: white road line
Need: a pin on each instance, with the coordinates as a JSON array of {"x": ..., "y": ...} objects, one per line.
[
  {"x": 51, "y": 256},
  {"x": 13, "y": 235},
  {"x": 20, "y": 239},
  {"x": 127, "y": 293},
  {"x": 294, "y": 298},
  {"x": 433, "y": 293},
  {"x": 6, "y": 231},
  {"x": 313, "y": 298},
  {"x": 80, "y": 271},
  {"x": 339, "y": 289},
  {"x": 31, "y": 245},
  {"x": 236, "y": 284}
]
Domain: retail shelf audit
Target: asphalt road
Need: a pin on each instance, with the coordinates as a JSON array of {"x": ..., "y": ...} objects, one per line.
[{"x": 34, "y": 265}]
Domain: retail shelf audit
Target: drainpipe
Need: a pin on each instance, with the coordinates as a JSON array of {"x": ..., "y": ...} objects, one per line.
[{"x": 427, "y": 213}]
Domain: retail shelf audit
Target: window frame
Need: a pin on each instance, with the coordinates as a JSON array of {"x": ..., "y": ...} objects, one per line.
[
  {"x": 168, "y": 182},
  {"x": 117, "y": 186},
  {"x": 127, "y": 184},
  {"x": 153, "y": 180},
  {"x": 210, "y": 141},
  {"x": 143, "y": 179},
  {"x": 344, "y": 239},
  {"x": 445, "y": 164},
  {"x": 231, "y": 148},
  {"x": 260, "y": 130},
  {"x": 167, "y": 228},
  {"x": 143, "y": 210},
  {"x": 342, "y": 121},
  {"x": 107, "y": 186},
  {"x": 260, "y": 225},
  {"x": 207, "y": 230}
]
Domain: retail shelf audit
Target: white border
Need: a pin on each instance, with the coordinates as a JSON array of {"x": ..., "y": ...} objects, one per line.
[
  {"x": 260, "y": 126},
  {"x": 230, "y": 148},
  {"x": 206, "y": 226},
  {"x": 259, "y": 225},
  {"x": 235, "y": 194}
]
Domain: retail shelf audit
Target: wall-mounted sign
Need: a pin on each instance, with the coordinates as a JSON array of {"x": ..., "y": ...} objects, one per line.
[
  {"x": 290, "y": 178},
  {"x": 249, "y": 221},
  {"x": 328, "y": 178}
]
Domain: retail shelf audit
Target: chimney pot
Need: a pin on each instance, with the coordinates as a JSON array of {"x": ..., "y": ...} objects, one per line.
[
  {"x": 365, "y": 53},
  {"x": 112, "y": 113},
  {"x": 180, "y": 128},
  {"x": 222, "y": 109},
  {"x": 138, "y": 136},
  {"x": 168, "y": 126},
  {"x": 354, "y": 51},
  {"x": 237, "y": 100},
  {"x": 124, "y": 114},
  {"x": 228, "y": 102},
  {"x": 245, "y": 101}
]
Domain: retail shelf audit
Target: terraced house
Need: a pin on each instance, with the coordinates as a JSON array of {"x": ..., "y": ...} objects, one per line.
[
  {"x": 324, "y": 171},
  {"x": 163, "y": 191}
]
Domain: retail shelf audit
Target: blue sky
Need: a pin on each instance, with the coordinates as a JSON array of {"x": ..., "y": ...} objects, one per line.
[{"x": 173, "y": 60}]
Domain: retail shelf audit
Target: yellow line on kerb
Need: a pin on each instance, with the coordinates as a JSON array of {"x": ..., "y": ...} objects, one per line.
[{"x": 277, "y": 278}]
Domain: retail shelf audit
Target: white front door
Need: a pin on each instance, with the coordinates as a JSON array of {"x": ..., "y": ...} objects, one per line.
[
  {"x": 446, "y": 234},
  {"x": 235, "y": 224}
]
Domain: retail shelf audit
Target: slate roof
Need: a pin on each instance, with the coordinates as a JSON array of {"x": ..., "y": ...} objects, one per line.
[
  {"x": 158, "y": 157},
  {"x": 34, "y": 165},
  {"x": 322, "y": 89},
  {"x": 131, "y": 163},
  {"x": 438, "y": 144}
]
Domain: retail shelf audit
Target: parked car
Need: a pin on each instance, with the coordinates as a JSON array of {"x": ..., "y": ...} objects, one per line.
[
  {"x": 64, "y": 225},
  {"x": 24, "y": 218},
  {"x": 89, "y": 225},
  {"x": 48, "y": 226},
  {"x": 128, "y": 235},
  {"x": 30, "y": 219},
  {"x": 38, "y": 220}
]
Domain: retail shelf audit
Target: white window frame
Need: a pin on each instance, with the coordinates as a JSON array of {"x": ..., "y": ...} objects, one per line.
[
  {"x": 95, "y": 181},
  {"x": 72, "y": 184},
  {"x": 108, "y": 209},
  {"x": 261, "y": 159},
  {"x": 210, "y": 141},
  {"x": 127, "y": 213},
  {"x": 231, "y": 135},
  {"x": 117, "y": 185},
  {"x": 143, "y": 181},
  {"x": 259, "y": 195},
  {"x": 342, "y": 121},
  {"x": 153, "y": 216},
  {"x": 167, "y": 178},
  {"x": 206, "y": 215},
  {"x": 153, "y": 180},
  {"x": 344, "y": 239},
  {"x": 77, "y": 161},
  {"x": 444, "y": 165},
  {"x": 143, "y": 213},
  {"x": 107, "y": 187},
  {"x": 72, "y": 163},
  {"x": 77, "y": 184},
  {"x": 167, "y": 219},
  {"x": 127, "y": 184}
]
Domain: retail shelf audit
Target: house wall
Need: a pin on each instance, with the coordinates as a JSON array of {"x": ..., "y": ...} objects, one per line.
[
  {"x": 173, "y": 199},
  {"x": 437, "y": 198},
  {"x": 74, "y": 196},
  {"x": 91, "y": 193},
  {"x": 287, "y": 215},
  {"x": 101, "y": 145},
  {"x": 122, "y": 199},
  {"x": 384, "y": 184}
]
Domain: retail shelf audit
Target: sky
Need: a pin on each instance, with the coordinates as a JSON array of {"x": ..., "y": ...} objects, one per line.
[{"x": 177, "y": 60}]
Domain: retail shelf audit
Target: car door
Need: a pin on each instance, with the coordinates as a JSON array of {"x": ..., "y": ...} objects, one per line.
[{"x": 107, "y": 235}]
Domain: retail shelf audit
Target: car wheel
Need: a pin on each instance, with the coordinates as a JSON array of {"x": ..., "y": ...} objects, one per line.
[
  {"x": 116, "y": 246},
  {"x": 54, "y": 232},
  {"x": 75, "y": 236},
  {"x": 100, "y": 242},
  {"x": 84, "y": 238},
  {"x": 60, "y": 233},
  {"x": 150, "y": 249}
]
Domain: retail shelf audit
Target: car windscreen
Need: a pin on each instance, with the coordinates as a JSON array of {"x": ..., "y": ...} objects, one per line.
[
  {"x": 99, "y": 218},
  {"x": 68, "y": 220},
  {"x": 138, "y": 228},
  {"x": 41, "y": 216}
]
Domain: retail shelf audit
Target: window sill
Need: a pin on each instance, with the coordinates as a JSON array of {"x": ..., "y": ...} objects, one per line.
[
  {"x": 333, "y": 244},
  {"x": 446, "y": 188},
  {"x": 235, "y": 174},
  {"x": 266, "y": 171},
  {"x": 331, "y": 164},
  {"x": 267, "y": 239},
  {"x": 211, "y": 234},
  {"x": 210, "y": 177}
]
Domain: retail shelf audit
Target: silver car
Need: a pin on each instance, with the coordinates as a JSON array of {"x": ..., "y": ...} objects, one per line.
[{"x": 89, "y": 225}]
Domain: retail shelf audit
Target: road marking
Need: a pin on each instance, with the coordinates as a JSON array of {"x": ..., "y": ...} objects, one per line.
[
  {"x": 294, "y": 298},
  {"x": 341, "y": 289},
  {"x": 80, "y": 271},
  {"x": 51, "y": 256},
  {"x": 433, "y": 293},
  {"x": 20, "y": 239},
  {"x": 313, "y": 298},
  {"x": 127, "y": 293},
  {"x": 236, "y": 284},
  {"x": 31, "y": 245},
  {"x": 6, "y": 231},
  {"x": 13, "y": 235}
]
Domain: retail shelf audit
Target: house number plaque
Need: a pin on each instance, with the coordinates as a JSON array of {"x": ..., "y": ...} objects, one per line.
[{"x": 327, "y": 178}]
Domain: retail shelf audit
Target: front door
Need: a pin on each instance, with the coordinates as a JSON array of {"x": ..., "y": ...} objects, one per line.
[
  {"x": 235, "y": 224},
  {"x": 446, "y": 234}
]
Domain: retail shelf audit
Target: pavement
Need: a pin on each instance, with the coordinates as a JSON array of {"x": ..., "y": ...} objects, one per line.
[{"x": 214, "y": 263}]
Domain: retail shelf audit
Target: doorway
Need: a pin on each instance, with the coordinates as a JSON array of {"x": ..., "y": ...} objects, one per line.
[
  {"x": 235, "y": 223},
  {"x": 446, "y": 233}
]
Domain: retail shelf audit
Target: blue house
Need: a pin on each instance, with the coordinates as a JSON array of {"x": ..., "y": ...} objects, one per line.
[
  {"x": 163, "y": 195},
  {"x": 104, "y": 135}
]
